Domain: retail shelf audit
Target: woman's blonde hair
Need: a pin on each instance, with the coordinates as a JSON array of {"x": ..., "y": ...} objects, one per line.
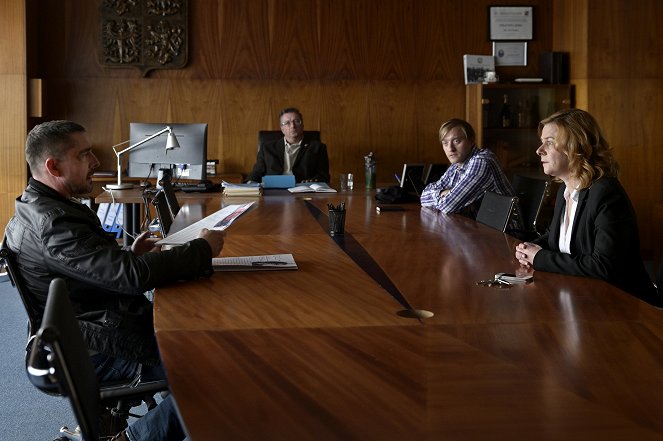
[{"x": 581, "y": 138}]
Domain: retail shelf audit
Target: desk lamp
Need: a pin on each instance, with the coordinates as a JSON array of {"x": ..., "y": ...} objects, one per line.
[{"x": 171, "y": 143}]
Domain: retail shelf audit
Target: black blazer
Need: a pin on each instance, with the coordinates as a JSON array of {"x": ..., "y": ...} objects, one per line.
[
  {"x": 604, "y": 243},
  {"x": 311, "y": 162}
]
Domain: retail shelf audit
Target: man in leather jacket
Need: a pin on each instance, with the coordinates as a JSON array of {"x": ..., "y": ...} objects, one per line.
[{"x": 53, "y": 235}]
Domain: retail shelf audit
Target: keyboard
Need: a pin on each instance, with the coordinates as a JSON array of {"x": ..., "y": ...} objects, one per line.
[{"x": 201, "y": 187}]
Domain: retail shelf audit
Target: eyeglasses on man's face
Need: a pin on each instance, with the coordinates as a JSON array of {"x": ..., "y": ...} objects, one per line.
[{"x": 294, "y": 122}]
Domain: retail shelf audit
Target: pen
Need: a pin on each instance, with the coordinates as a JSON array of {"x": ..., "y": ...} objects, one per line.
[{"x": 268, "y": 262}]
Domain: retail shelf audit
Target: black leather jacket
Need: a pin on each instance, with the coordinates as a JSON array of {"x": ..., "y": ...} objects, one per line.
[{"x": 56, "y": 237}]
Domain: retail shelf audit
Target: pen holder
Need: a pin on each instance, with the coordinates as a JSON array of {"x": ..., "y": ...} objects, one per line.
[{"x": 336, "y": 222}]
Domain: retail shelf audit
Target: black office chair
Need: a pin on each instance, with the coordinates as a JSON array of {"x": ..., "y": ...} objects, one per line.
[
  {"x": 274, "y": 135},
  {"x": 659, "y": 279},
  {"x": 121, "y": 407},
  {"x": 532, "y": 195},
  {"x": 60, "y": 361},
  {"x": 434, "y": 172},
  {"x": 499, "y": 212},
  {"x": 8, "y": 261},
  {"x": 164, "y": 219},
  {"x": 171, "y": 198}
]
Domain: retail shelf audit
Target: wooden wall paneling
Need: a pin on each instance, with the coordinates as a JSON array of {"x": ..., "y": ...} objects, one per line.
[
  {"x": 390, "y": 33},
  {"x": 437, "y": 102},
  {"x": 245, "y": 109},
  {"x": 13, "y": 106},
  {"x": 624, "y": 79},
  {"x": 294, "y": 40},
  {"x": 194, "y": 101},
  {"x": 630, "y": 121},
  {"x": 392, "y": 125},
  {"x": 80, "y": 39},
  {"x": 345, "y": 127},
  {"x": 305, "y": 95},
  {"x": 570, "y": 34},
  {"x": 13, "y": 168},
  {"x": 232, "y": 39},
  {"x": 625, "y": 39},
  {"x": 97, "y": 104},
  {"x": 440, "y": 46},
  {"x": 343, "y": 48}
]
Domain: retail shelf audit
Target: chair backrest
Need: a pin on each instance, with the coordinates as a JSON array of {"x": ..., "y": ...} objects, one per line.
[
  {"x": 8, "y": 259},
  {"x": 164, "y": 216},
  {"x": 434, "y": 172},
  {"x": 171, "y": 198},
  {"x": 659, "y": 279},
  {"x": 68, "y": 360},
  {"x": 274, "y": 135},
  {"x": 531, "y": 192},
  {"x": 498, "y": 211}
]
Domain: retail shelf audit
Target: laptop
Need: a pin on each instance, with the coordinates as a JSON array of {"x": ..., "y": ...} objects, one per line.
[
  {"x": 278, "y": 181},
  {"x": 411, "y": 180}
]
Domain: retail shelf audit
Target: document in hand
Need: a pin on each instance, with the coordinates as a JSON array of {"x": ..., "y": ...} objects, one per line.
[
  {"x": 314, "y": 187},
  {"x": 255, "y": 263},
  {"x": 219, "y": 220}
]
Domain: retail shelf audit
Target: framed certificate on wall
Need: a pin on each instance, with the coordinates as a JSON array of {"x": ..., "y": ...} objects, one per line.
[
  {"x": 510, "y": 22},
  {"x": 510, "y": 53}
]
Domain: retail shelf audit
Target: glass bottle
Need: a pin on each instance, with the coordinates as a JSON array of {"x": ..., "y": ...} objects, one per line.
[
  {"x": 369, "y": 169},
  {"x": 521, "y": 115},
  {"x": 505, "y": 113}
]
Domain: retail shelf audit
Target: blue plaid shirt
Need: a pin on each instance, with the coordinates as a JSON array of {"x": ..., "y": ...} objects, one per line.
[{"x": 467, "y": 182}]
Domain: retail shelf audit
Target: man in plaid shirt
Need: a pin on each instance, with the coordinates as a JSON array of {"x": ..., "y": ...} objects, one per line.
[{"x": 472, "y": 172}]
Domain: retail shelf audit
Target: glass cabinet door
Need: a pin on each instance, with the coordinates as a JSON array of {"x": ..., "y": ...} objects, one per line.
[{"x": 506, "y": 118}]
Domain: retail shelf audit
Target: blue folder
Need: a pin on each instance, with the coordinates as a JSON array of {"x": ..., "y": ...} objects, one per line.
[{"x": 278, "y": 181}]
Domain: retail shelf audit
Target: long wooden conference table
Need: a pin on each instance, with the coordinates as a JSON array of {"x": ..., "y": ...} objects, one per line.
[{"x": 327, "y": 353}]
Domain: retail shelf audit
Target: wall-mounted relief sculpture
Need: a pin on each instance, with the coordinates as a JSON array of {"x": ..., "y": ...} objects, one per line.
[{"x": 146, "y": 34}]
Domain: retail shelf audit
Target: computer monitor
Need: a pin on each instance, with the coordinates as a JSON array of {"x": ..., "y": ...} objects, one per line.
[{"x": 187, "y": 162}]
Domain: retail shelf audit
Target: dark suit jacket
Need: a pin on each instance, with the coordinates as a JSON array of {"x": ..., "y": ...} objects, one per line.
[
  {"x": 604, "y": 243},
  {"x": 311, "y": 163}
]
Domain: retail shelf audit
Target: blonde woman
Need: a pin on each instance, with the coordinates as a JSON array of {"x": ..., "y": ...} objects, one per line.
[{"x": 593, "y": 232}]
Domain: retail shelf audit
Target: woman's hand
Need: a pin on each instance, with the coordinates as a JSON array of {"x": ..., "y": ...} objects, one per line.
[{"x": 525, "y": 253}]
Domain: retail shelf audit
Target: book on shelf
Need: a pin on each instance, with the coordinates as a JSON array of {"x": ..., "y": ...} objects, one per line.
[
  {"x": 314, "y": 187},
  {"x": 255, "y": 263},
  {"x": 241, "y": 190}
]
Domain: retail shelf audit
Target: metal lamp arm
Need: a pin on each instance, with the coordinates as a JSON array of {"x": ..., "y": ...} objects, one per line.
[
  {"x": 164, "y": 130},
  {"x": 133, "y": 146}
]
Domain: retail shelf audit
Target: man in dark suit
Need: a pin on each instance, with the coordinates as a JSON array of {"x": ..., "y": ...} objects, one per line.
[{"x": 293, "y": 154}]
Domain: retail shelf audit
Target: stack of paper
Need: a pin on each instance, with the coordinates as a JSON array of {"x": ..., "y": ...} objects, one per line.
[
  {"x": 315, "y": 187},
  {"x": 254, "y": 263},
  {"x": 242, "y": 190}
]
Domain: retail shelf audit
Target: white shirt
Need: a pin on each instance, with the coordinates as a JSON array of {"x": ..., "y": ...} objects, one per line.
[
  {"x": 565, "y": 231},
  {"x": 290, "y": 155}
]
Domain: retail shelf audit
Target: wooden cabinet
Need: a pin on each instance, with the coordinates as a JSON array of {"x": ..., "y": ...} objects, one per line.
[{"x": 510, "y": 128}]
